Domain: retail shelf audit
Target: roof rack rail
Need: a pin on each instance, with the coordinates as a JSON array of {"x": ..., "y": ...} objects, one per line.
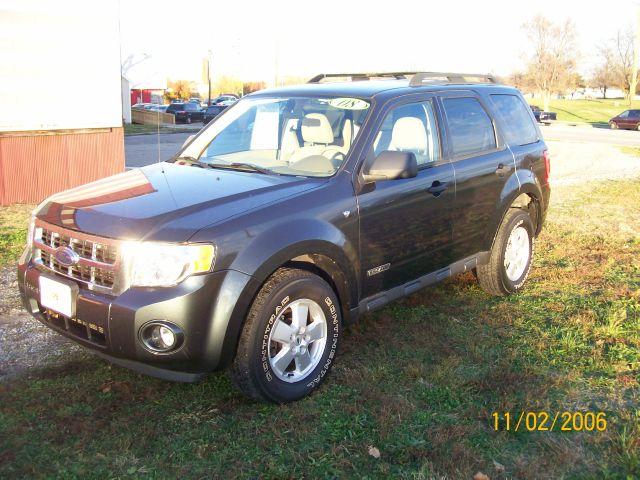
[
  {"x": 356, "y": 77},
  {"x": 424, "y": 78}
]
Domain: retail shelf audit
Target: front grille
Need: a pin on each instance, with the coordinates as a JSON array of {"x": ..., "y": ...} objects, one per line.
[
  {"x": 98, "y": 257},
  {"x": 103, "y": 252}
]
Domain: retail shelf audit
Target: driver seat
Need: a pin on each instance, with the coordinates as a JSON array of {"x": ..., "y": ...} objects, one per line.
[{"x": 318, "y": 139}]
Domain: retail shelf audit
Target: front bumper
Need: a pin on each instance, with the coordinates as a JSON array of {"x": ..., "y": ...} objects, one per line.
[{"x": 209, "y": 309}]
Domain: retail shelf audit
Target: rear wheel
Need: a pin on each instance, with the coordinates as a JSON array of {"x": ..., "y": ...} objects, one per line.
[
  {"x": 289, "y": 339},
  {"x": 511, "y": 255}
]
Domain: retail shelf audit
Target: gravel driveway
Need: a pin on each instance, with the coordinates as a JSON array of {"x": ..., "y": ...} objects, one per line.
[{"x": 26, "y": 345}]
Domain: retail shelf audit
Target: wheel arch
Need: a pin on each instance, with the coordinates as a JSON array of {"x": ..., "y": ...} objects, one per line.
[
  {"x": 528, "y": 197},
  {"x": 322, "y": 258}
]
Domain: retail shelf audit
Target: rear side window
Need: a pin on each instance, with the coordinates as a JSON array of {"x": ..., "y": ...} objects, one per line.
[
  {"x": 470, "y": 126},
  {"x": 520, "y": 129}
]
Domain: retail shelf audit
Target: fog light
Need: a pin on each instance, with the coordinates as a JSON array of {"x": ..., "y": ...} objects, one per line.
[{"x": 161, "y": 337}]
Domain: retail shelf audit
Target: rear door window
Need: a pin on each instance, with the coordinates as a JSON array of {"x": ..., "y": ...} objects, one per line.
[
  {"x": 470, "y": 127},
  {"x": 520, "y": 129}
]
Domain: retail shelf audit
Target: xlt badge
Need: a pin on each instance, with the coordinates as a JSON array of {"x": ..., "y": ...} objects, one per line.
[{"x": 376, "y": 270}]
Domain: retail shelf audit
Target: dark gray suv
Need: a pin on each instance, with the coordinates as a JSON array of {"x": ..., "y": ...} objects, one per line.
[{"x": 291, "y": 214}]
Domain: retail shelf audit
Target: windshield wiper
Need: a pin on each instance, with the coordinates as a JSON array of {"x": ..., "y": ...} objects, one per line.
[
  {"x": 242, "y": 166},
  {"x": 193, "y": 160}
]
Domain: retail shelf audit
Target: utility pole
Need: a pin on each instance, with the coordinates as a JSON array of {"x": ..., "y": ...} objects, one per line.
[
  {"x": 209, "y": 58},
  {"x": 636, "y": 48}
]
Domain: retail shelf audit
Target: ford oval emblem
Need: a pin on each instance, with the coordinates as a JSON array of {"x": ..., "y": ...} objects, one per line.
[{"x": 66, "y": 256}]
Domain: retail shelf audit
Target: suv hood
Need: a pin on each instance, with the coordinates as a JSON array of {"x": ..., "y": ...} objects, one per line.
[{"x": 166, "y": 202}]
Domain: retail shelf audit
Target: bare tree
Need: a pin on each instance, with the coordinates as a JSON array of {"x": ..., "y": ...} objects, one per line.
[
  {"x": 603, "y": 76},
  {"x": 552, "y": 58},
  {"x": 621, "y": 52}
]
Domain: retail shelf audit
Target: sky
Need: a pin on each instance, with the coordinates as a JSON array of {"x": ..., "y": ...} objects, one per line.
[{"x": 259, "y": 40}]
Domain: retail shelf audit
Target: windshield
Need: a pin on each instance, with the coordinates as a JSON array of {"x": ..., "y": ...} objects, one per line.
[{"x": 291, "y": 136}]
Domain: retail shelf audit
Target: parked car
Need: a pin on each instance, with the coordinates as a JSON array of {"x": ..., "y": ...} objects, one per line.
[
  {"x": 629, "y": 120},
  {"x": 228, "y": 97},
  {"x": 212, "y": 112},
  {"x": 141, "y": 106},
  {"x": 543, "y": 117},
  {"x": 269, "y": 232},
  {"x": 188, "y": 112},
  {"x": 158, "y": 108}
]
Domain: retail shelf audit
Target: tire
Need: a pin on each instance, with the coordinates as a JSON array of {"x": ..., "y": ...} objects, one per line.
[
  {"x": 188, "y": 120},
  {"x": 271, "y": 334},
  {"x": 500, "y": 277},
  {"x": 613, "y": 125}
]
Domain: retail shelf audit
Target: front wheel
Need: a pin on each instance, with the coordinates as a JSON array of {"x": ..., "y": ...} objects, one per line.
[
  {"x": 289, "y": 339},
  {"x": 511, "y": 255},
  {"x": 613, "y": 125}
]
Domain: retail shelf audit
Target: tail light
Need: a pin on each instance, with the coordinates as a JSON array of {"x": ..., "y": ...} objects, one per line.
[{"x": 547, "y": 164}]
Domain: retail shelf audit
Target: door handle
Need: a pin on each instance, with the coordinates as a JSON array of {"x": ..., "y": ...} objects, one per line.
[
  {"x": 437, "y": 188},
  {"x": 501, "y": 170}
]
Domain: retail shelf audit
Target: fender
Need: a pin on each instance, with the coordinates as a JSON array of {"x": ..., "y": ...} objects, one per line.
[
  {"x": 271, "y": 249},
  {"x": 521, "y": 181},
  {"x": 307, "y": 240}
]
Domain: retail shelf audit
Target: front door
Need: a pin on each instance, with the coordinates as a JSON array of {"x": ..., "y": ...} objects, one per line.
[{"x": 405, "y": 224}]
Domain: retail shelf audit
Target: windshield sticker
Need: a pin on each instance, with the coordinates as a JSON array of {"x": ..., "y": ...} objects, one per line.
[{"x": 349, "y": 103}]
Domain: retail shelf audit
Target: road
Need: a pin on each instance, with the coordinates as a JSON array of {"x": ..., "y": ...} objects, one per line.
[
  {"x": 143, "y": 149},
  {"x": 565, "y": 133}
]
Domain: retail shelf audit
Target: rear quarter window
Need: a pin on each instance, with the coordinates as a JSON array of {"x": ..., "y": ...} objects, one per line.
[
  {"x": 470, "y": 127},
  {"x": 520, "y": 129}
]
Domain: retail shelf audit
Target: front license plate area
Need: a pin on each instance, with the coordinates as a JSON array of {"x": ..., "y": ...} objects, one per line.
[{"x": 58, "y": 296}]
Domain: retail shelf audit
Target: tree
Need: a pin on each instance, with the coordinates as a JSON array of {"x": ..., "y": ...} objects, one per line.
[
  {"x": 603, "y": 76},
  {"x": 621, "y": 53},
  {"x": 228, "y": 85},
  {"x": 179, "y": 90},
  {"x": 552, "y": 61},
  {"x": 250, "y": 87}
]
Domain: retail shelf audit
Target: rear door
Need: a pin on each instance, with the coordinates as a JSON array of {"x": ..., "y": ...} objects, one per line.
[
  {"x": 482, "y": 164},
  {"x": 521, "y": 134},
  {"x": 405, "y": 224}
]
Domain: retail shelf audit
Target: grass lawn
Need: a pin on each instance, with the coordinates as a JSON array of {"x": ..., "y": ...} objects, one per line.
[
  {"x": 634, "y": 151},
  {"x": 418, "y": 380},
  {"x": 597, "y": 112},
  {"x": 14, "y": 222}
]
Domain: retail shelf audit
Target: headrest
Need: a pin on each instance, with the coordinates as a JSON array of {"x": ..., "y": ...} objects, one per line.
[
  {"x": 409, "y": 134},
  {"x": 316, "y": 129}
]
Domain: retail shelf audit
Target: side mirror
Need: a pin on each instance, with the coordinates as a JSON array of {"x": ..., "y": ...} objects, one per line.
[
  {"x": 188, "y": 140},
  {"x": 390, "y": 165}
]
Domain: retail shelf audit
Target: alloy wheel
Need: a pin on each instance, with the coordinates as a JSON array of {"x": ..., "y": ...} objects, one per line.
[{"x": 297, "y": 340}]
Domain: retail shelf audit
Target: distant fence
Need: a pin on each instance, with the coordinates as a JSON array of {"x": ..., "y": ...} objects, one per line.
[{"x": 149, "y": 117}]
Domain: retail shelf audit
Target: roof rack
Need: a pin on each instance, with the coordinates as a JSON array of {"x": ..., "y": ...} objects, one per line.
[
  {"x": 357, "y": 77},
  {"x": 422, "y": 78},
  {"x": 417, "y": 78}
]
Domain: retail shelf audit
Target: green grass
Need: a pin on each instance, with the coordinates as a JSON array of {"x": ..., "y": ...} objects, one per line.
[
  {"x": 634, "y": 151},
  {"x": 418, "y": 380},
  {"x": 596, "y": 112},
  {"x": 135, "y": 129},
  {"x": 14, "y": 222}
]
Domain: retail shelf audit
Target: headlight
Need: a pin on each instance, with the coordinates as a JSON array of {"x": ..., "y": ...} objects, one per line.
[{"x": 151, "y": 264}]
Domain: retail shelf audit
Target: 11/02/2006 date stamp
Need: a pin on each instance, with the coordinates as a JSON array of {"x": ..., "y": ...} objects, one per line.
[{"x": 549, "y": 421}]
